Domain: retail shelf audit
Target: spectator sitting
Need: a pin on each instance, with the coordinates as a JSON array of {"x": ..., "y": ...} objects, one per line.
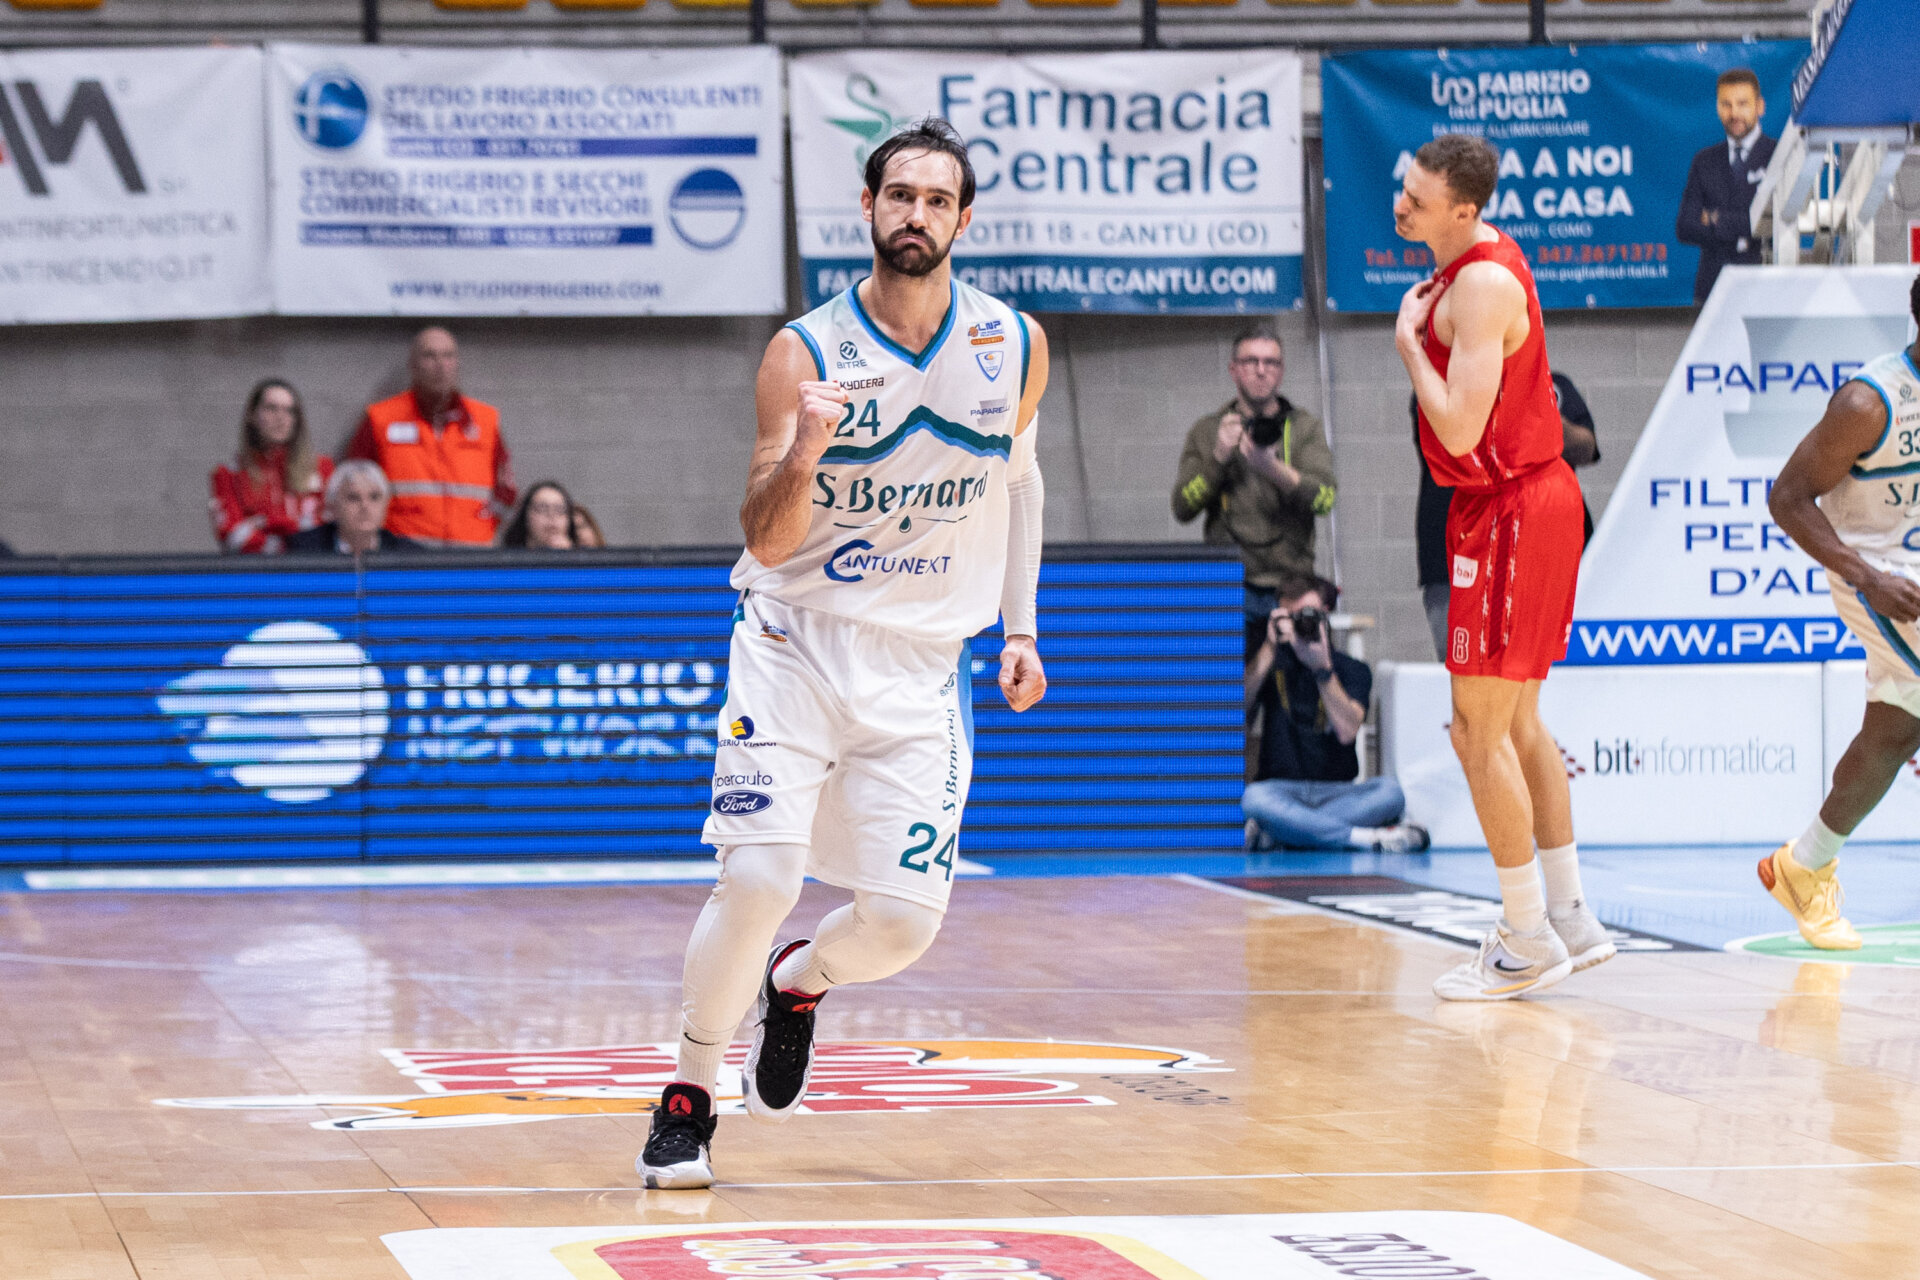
[
  {"x": 274, "y": 488},
  {"x": 1312, "y": 700},
  {"x": 544, "y": 522},
  {"x": 451, "y": 475},
  {"x": 1260, "y": 470},
  {"x": 357, "y": 499},
  {"x": 1579, "y": 447},
  {"x": 586, "y": 530}
]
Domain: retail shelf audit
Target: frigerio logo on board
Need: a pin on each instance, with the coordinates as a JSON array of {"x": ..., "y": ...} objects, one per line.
[{"x": 293, "y": 711}]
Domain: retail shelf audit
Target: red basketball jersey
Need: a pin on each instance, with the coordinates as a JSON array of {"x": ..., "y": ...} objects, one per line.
[{"x": 1523, "y": 429}]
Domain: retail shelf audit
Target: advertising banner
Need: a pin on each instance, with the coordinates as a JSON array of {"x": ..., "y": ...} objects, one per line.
[
  {"x": 204, "y": 709},
  {"x": 1595, "y": 141},
  {"x": 1122, "y": 182},
  {"x": 526, "y": 181},
  {"x": 131, "y": 185},
  {"x": 1686, "y": 565},
  {"x": 1663, "y": 756}
]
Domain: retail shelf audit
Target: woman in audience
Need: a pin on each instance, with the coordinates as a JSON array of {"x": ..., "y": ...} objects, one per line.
[
  {"x": 275, "y": 487},
  {"x": 586, "y": 530},
  {"x": 544, "y": 521}
]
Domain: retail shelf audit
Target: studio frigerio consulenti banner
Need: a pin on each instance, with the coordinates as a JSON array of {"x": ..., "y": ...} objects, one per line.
[
  {"x": 1124, "y": 182},
  {"x": 526, "y": 181},
  {"x": 131, "y": 185},
  {"x": 1686, "y": 564},
  {"x": 1595, "y": 146}
]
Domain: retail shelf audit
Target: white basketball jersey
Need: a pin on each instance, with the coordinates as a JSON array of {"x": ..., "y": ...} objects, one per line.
[
  {"x": 909, "y": 510},
  {"x": 1876, "y": 508}
]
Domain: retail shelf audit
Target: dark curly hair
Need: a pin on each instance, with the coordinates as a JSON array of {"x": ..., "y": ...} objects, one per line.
[{"x": 930, "y": 134}]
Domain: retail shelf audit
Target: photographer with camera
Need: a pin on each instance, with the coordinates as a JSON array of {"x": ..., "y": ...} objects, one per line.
[
  {"x": 1311, "y": 700},
  {"x": 1260, "y": 471}
]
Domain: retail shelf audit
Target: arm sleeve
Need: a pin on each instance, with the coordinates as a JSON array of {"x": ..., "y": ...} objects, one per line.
[
  {"x": 1026, "y": 496},
  {"x": 234, "y": 527},
  {"x": 1355, "y": 676},
  {"x": 1198, "y": 486},
  {"x": 1314, "y": 461}
]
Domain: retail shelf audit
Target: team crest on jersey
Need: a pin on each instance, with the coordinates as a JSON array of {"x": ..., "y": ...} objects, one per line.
[
  {"x": 458, "y": 1088},
  {"x": 990, "y": 363}
]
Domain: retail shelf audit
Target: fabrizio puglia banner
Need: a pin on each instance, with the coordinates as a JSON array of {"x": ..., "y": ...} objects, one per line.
[
  {"x": 1686, "y": 565},
  {"x": 131, "y": 185},
  {"x": 526, "y": 181},
  {"x": 1596, "y": 145},
  {"x": 1122, "y": 182}
]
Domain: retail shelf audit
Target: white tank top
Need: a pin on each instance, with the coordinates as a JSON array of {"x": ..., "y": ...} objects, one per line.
[
  {"x": 909, "y": 515},
  {"x": 1876, "y": 507}
]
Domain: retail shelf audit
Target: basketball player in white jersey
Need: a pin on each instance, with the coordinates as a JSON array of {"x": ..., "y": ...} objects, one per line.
[
  {"x": 1850, "y": 496},
  {"x": 893, "y": 511}
]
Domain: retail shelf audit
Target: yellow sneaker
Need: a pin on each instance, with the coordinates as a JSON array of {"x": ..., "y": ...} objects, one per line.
[{"x": 1811, "y": 897}]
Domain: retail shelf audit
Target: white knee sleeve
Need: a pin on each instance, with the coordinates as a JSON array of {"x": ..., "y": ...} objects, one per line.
[
  {"x": 727, "y": 954},
  {"x": 873, "y": 937}
]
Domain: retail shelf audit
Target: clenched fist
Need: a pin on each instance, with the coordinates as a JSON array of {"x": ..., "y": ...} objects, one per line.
[{"x": 821, "y": 406}]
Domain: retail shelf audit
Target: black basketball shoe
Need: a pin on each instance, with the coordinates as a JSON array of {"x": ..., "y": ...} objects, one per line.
[
  {"x": 781, "y": 1059},
  {"x": 678, "y": 1151}
]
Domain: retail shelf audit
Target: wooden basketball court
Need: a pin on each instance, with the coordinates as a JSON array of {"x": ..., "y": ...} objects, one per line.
[{"x": 1684, "y": 1115}]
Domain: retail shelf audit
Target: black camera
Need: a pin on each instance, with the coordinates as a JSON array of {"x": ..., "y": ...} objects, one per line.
[
  {"x": 1266, "y": 429},
  {"x": 1307, "y": 623}
]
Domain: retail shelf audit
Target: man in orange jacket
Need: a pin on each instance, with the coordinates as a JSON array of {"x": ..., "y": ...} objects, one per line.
[{"x": 452, "y": 478}]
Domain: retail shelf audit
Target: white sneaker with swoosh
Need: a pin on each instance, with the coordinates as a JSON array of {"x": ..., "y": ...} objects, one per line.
[{"x": 1509, "y": 964}]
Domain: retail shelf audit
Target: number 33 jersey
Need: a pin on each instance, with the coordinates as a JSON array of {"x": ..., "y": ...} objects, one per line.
[
  {"x": 1876, "y": 507},
  {"x": 909, "y": 502}
]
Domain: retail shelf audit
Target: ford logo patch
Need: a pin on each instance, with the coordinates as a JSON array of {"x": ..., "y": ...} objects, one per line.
[{"x": 730, "y": 803}]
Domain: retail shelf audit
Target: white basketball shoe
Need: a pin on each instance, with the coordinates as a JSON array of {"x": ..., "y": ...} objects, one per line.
[
  {"x": 1509, "y": 964},
  {"x": 1587, "y": 939}
]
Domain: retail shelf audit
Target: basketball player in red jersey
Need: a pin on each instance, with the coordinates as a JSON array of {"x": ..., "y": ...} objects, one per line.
[{"x": 1474, "y": 345}]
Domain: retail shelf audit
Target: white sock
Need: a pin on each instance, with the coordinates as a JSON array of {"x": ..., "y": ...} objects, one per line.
[
  {"x": 1817, "y": 845},
  {"x": 1560, "y": 868},
  {"x": 700, "y": 1061},
  {"x": 1520, "y": 893},
  {"x": 801, "y": 971}
]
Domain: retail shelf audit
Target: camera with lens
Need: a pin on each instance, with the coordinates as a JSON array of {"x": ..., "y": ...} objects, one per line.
[
  {"x": 1266, "y": 429},
  {"x": 1307, "y": 623}
]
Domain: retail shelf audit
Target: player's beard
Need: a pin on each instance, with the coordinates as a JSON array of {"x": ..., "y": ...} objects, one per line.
[{"x": 913, "y": 255}]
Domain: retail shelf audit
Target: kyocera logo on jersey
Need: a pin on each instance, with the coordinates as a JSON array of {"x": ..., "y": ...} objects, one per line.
[
  {"x": 734, "y": 804},
  {"x": 54, "y": 140}
]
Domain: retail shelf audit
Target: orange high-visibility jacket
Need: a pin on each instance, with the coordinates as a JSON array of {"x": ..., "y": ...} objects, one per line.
[{"x": 451, "y": 487}]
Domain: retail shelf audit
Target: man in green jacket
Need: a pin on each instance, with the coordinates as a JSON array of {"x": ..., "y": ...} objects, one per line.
[{"x": 1260, "y": 470}]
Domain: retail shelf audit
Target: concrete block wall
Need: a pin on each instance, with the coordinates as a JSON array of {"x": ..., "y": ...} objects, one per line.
[{"x": 107, "y": 432}]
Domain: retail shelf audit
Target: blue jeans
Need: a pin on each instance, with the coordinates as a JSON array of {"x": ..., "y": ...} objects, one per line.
[{"x": 1321, "y": 815}]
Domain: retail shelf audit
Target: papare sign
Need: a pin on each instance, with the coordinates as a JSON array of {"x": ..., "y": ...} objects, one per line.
[
  {"x": 1687, "y": 564},
  {"x": 1121, "y": 182},
  {"x": 1324, "y": 1246}
]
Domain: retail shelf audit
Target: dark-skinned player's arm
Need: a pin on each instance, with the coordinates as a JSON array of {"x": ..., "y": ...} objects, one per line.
[
  {"x": 1485, "y": 301},
  {"x": 795, "y": 418},
  {"x": 1023, "y": 681},
  {"x": 1851, "y": 426}
]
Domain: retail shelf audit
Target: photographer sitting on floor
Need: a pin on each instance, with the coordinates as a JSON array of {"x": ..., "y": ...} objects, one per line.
[{"x": 1312, "y": 700}]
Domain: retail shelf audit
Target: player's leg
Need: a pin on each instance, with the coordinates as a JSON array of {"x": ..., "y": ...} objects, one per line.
[
  {"x": 1522, "y": 953},
  {"x": 1803, "y": 875},
  {"x": 873, "y": 937},
  {"x": 1545, "y": 768},
  {"x": 777, "y": 732}
]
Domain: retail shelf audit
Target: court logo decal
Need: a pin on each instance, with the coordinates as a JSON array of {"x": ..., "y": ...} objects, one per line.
[
  {"x": 1464, "y": 918},
  {"x": 454, "y": 1088},
  {"x": 1894, "y": 945},
  {"x": 1397, "y": 1245}
]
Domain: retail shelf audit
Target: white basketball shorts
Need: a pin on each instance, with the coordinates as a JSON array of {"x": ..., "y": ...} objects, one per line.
[
  {"x": 1893, "y": 648},
  {"x": 849, "y": 738}
]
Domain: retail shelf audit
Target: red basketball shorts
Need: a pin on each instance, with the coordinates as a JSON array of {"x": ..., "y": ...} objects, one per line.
[{"x": 1515, "y": 557}]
